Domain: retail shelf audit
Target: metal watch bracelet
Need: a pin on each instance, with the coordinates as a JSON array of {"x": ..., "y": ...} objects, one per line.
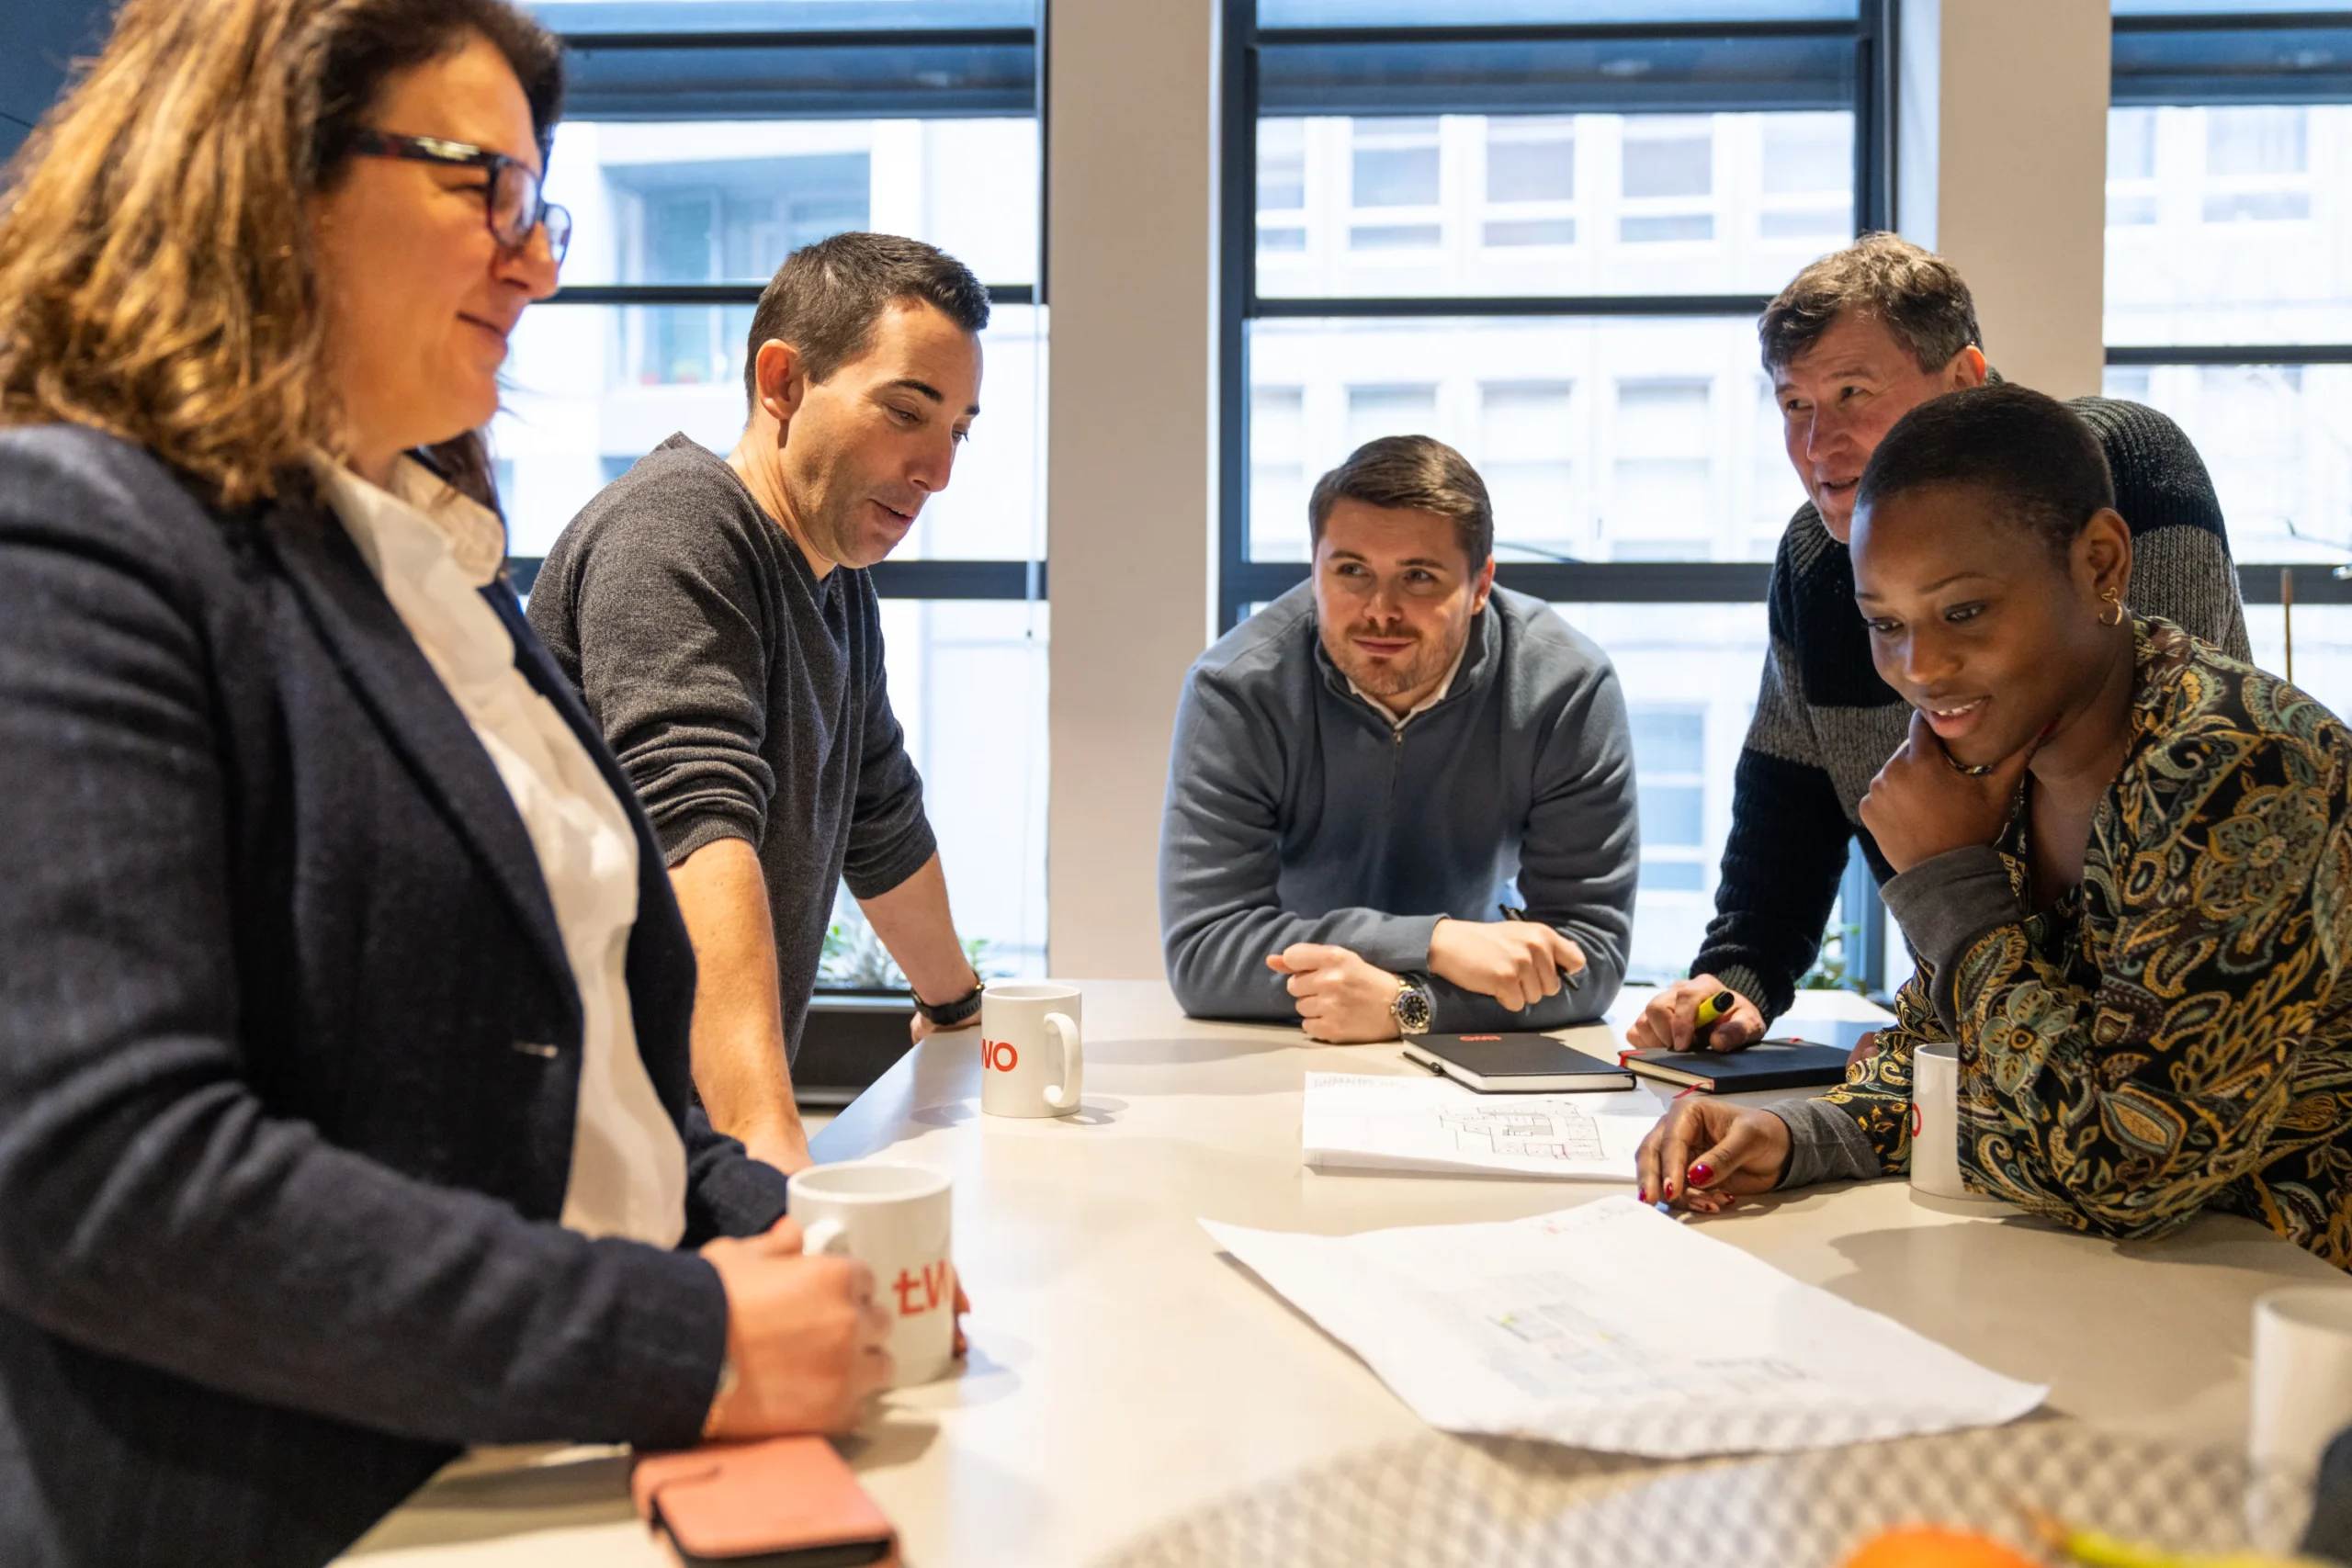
[{"x": 1413, "y": 1008}]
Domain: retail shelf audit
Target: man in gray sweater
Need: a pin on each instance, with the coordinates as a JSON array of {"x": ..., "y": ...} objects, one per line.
[
  {"x": 1400, "y": 798},
  {"x": 716, "y": 613}
]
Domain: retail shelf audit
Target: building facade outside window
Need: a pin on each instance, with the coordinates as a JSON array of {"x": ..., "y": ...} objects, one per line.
[{"x": 2228, "y": 292}]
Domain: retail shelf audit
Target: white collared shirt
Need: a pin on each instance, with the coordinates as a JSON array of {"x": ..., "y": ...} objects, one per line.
[
  {"x": 1396, "y": 722},
  {"x": 433, "y": 550}
]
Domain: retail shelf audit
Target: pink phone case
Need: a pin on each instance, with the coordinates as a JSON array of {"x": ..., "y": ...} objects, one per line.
[{"x": 759, "y": 1500}]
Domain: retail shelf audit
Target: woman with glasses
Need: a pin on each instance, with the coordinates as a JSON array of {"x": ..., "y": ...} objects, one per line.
[{"x": 344, "y": 1084}]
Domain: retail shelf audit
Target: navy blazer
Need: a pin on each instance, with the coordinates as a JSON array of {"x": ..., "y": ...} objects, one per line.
[{"x": 290, "y": 1051}]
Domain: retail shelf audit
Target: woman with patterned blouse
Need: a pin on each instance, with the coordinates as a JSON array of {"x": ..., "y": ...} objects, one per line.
[{"x": 2125, "y": 863}]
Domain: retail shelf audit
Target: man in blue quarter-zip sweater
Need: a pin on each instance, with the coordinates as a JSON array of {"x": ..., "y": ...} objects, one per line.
[{"x": 1401, "y": 797}]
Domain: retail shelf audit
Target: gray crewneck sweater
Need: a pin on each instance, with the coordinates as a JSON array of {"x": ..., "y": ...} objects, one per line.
[
  {"x": 744, "y": 695},
  {"x": 1297, "y": 813}
]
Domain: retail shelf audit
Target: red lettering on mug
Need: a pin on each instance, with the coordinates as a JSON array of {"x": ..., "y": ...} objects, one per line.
[
  {"x": 931, "y": 1285},
  {"x": 1916, "y": 1122},
  {"x": 998, "y": 1055}
]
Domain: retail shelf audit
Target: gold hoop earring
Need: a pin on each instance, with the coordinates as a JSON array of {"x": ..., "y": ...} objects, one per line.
[{"x": 2115, "y": 599}]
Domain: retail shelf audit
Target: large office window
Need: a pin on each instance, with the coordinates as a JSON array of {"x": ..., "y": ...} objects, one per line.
[
  {"x": 2228, "y": 290},
  {"x": 1541, "y": 231},
  {"x": 703, "y": 142}
]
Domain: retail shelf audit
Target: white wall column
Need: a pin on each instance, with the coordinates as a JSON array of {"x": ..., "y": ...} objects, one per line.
[
  {"x": 1131, "y": 137},
  {"x": 2002, "y": 167}
]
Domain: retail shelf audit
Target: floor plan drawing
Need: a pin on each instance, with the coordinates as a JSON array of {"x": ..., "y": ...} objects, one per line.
[
  {"x": 1357, "y": 1121},
  {"x": 1602, "y": 1326},
  {"x": 1551, "y": 1133}
]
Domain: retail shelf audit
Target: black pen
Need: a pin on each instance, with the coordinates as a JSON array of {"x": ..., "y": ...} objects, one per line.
[{"x": 1572, "y": 979}]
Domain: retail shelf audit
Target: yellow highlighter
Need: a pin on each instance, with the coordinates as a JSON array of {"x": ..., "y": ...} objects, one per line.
[{"x": 1711, "y": 1008}]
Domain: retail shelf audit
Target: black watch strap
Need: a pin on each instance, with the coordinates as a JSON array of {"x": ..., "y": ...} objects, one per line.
[{"x": 947, "y": 1015}]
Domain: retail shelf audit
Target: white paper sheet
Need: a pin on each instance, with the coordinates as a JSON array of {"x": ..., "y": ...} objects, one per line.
[
  {"x": 1355, "y": 1121},
  {"x": 1612, "y": 1327}
]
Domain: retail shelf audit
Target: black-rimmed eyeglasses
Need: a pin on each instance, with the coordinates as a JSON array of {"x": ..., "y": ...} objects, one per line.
[{"x": 515, "y": 205}]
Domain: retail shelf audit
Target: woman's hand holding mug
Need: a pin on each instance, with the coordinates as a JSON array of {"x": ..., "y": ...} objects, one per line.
[{"x": 806, "y": 1339}]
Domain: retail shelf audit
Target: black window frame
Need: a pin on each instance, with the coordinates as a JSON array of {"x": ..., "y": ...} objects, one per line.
[
  {"x": 1875, "y": 38},
  {"x": 908, "y": 51},
  {"x": 1242, "y": 582},
  {"x": 2211, "y": 75}
]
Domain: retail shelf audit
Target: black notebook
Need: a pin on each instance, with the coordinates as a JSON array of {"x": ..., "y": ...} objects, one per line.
[
  {"x": 1770, "y": 1063},
  {"x": 1514, "y": 1063}
]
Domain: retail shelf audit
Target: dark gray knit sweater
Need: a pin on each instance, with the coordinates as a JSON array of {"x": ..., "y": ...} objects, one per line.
[
  {"x": 744, "y": 695},
  {"x": 1824, "y": 723}
]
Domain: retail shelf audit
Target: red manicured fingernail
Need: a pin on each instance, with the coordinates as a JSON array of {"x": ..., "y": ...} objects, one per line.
[
  {"x": 1700, "y": 1174},
  {"x": 1669, "y": 1189},
  {"x": 1642, "y": 1194}
]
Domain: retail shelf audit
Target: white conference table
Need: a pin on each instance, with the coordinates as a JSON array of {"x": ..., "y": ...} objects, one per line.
[{"x": 1122, "y": 1371}]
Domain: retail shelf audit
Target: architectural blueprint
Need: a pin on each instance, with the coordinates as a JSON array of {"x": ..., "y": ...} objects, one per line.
[
  {"x": 1605, "y": 1325},
  {"x": 1356, "y": 1121}
]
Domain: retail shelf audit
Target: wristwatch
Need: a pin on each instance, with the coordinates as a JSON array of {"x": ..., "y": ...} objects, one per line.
[
  {"x": 1413, "y": 1007},
  {"x": 952, "y": 1015}
]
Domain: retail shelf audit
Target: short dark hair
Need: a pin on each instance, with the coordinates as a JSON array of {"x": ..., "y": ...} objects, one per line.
[
  {"x": 2025, "y": 446},
  {"x": 826, "y": 298},
  {"x": 1916, "y": 293},
  {"x": 1416, "y": 472}
]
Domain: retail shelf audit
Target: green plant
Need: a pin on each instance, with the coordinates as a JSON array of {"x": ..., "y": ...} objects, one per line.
[
  {"x": 977, "y": 952},
  {"x": 1829, "y": 971},
  {"x": 854, "y": 958}
]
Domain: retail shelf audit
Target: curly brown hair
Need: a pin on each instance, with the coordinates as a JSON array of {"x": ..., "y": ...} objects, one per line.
[
  {"x": 1916, "y": 293},
  {"x": 158, "y": 278}
]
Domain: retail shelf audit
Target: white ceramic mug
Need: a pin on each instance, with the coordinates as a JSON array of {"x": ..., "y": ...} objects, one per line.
[
  {"x": 897, "y": 1219},
  {"x": 1033, "y": 1058},
  {"x": 1935, "y": 1120},
  {"x": 2303, "y": 1397}
]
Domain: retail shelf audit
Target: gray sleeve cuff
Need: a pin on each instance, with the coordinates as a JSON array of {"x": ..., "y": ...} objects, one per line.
[
  {"x": 1748, "y": 984},
  {"x": 1825, "y": 1145},
  {"x": 1464, "y": 1012},
  {"x": 1398, "y": 943},
  {"x": 682, "y": 837},
  {"x": 876, "y": 873},
  {"x": 1945, "y": 904}
]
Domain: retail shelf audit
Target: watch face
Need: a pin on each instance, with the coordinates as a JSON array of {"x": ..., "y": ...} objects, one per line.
[{"x": 1412, "y": 1010}]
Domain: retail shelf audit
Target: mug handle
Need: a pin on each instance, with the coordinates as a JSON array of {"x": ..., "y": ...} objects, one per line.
[
  {"x": 825, "y": 1237},
  {"x": 1063, "y": 1096}
]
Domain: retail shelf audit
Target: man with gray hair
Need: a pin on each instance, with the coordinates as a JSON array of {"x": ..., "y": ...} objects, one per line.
[
  {"x": 1401, "y": 798},
  {"x": 717, "y": 616},
  {"x": 1854, "y": 342}
]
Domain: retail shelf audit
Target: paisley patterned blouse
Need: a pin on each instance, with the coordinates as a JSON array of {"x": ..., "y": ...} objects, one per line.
[{"x": 2173, "y": 1035}]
